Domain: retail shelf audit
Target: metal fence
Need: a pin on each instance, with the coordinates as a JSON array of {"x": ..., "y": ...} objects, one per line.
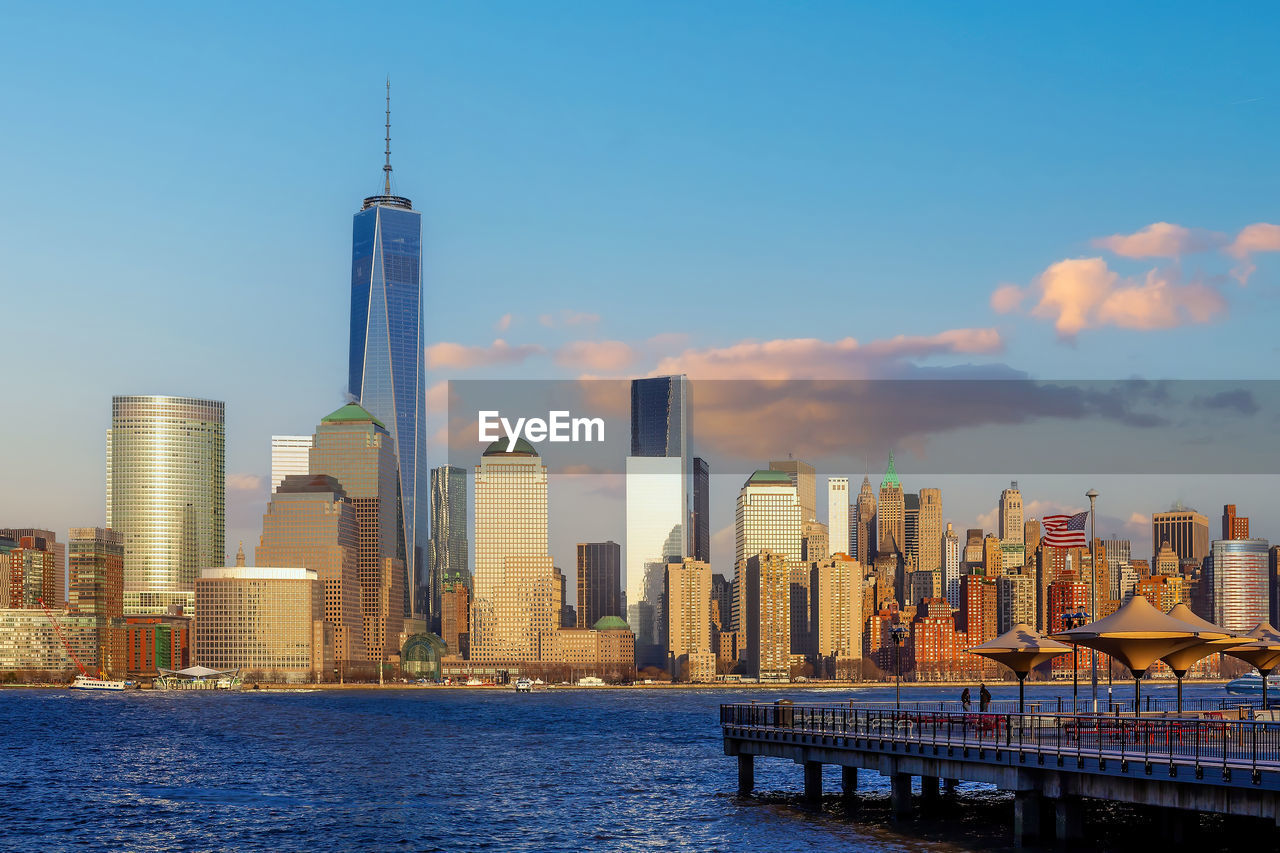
[{"x": 1209, "y": 740}]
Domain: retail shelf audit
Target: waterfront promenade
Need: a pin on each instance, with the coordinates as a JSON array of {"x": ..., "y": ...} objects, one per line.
[{"x": 1202, "y": 762}]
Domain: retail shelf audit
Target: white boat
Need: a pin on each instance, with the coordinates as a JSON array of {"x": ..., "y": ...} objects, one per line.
[
  {"x": 1252, "y": 683},
  {"x": 474, "y": 682},
  {"x": 84, "y": 682},
  {"x": 524, "y": 685},
  {"x": 590, "y": 681}
]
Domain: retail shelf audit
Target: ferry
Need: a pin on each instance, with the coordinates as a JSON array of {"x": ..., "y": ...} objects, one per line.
[
  {"x": 524, "y": 685},
  {"x": 85, "y": 682},
  {"x": 590, "y": 681},
  {"x": 1252, "y": 683}
]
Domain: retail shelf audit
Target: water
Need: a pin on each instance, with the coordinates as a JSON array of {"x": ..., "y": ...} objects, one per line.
[{"x": 455, "y": 770}]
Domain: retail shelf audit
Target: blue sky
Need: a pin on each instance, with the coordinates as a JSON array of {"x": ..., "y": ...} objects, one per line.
[{"x": 179, "y": 186}]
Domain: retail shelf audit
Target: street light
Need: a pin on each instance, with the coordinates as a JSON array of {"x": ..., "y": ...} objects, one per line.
[
  {"x": 1074, "y": 619},
  {"x": 899, "y": 634},
  {"x": 1092, "y": 495}
]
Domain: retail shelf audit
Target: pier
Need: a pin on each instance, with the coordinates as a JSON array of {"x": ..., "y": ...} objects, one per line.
[{"x": 1051, "y": 762}]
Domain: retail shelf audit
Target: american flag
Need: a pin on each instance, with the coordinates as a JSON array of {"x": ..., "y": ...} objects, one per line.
[{"x": 1065, "y": 531}]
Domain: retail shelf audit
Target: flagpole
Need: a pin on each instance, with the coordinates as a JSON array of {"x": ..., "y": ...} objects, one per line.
[{"x": 1092, "y": 495}]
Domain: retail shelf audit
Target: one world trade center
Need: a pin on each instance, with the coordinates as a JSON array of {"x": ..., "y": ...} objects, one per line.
[{"x": 386, "y": 363}]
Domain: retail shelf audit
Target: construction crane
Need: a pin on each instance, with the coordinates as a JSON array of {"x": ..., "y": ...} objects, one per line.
[{"x": 58, "y": 630}]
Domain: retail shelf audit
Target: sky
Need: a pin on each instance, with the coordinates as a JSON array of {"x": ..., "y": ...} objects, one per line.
[{"x": 730, "y": 190}]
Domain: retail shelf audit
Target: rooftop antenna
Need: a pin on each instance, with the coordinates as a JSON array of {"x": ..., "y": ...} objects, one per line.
[{"x": 386, "y": 189}]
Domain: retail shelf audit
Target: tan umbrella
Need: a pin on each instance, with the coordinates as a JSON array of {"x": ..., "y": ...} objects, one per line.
[
  {"x": 1263, "y": 653},
  {"x": 1137, "y": 635},
  {"x": 1022, "y": 650},
  {"x": 1213, "y": 638}
]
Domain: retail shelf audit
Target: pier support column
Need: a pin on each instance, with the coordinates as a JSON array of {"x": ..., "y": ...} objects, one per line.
[
  {"x": 746, "y": 774},
  {"x": 900, "y": 795},
  {"x": 1069, "y": 825},
  {"x": 949, "y": 786},
  {"x": 849, "y": 781},
  {"x": 1026, "y": 818},
  {"x": 813, "y": 782},
  {"x": 929, "y": 789}
]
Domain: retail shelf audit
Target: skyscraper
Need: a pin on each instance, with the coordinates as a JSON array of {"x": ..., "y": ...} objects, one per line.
[
  {"x": 835, "y": 600},
  {"x": 1011, "y": 529},
  {"x": 930, "y": 532},
  {"x": 865, "y": 530},
  {"x": 767, "y": 519},
  {"x": 1186, "y": 531},
  {"x": 516, "y": 594},
  {"x": 766, "y": 615},
  {"x": 700, "y": 523},
  {"x": 290, "y": 455},
  {"x": 310, "y": 523},
  {"x": 688, "y": 613},
  {"x": 166, "y": 496},
  {"x": 891, "y": 513},
  {"x": 951, "y": 566},
  {"x": 354, "y": 447},
  {"x": 599, "y": 582},
  {"x": 804, "y": 478},
  {"x": 658, "y": 490},
  {"x": 97, "y": 589},
  {"x": 447, "y": 547},
  {"x": 385, "y": 371},
  {"x": 911, "y": 529},
  {"x": 1234, "y": 526},
  {"x": 1241, "y": 575},
  {"x": 838, "y": 515},
  {"x": 50, "y": 544}
]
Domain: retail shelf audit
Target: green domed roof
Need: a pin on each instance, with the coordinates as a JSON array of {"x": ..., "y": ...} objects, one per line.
[
  {"x": 351, "y": 413},
  {"x": 611, "y": 623},
  {"x": 766, "y": 477},
  {"x": 499, "y": 448}
]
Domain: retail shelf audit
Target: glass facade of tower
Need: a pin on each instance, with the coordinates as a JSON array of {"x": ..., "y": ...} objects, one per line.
[
  {"x": 447, "y": 550},
  {"x": 386, "y": 371},
  {"x": 166, "y": 495}
]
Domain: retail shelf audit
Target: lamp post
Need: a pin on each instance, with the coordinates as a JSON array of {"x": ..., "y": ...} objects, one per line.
[
  {"x": 899, "y": 633},
  {"x": 1092, "y": 495},
  {"x": 1074, "y": 619}
]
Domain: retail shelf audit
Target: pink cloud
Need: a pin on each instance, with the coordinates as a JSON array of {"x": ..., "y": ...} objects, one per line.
[
  {"x": 462, "y": 357},
  {"x": 244, "y": 482},
  {"x": 607, "y": 356},
  {"x": 504, "y": 323},
  {"x": 1083, "y": 293},
  {"x": 1006, "y": 298},
  {"x": 811, "y": 358},
  {"x": 1161, "y": 240},
  {"x": 1259, "y": 237}
]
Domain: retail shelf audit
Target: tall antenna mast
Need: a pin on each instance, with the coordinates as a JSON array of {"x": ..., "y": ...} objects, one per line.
[{"x": 387, "y": 168}]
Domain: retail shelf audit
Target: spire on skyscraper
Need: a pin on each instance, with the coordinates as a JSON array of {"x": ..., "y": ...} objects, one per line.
[
  {"x": 890, "y": 475},
  {"x": 386, "y": 188}
]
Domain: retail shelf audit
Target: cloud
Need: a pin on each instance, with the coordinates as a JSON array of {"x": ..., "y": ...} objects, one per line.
[
  {"x": 1006, "y": 298},
  {"x": 1238, "y": 400},
  {"x": 811, "y": 358},
  {"x": 601, "y": 356},
  {"x": 1137, "y": 519},
  {"x": 1259, "y": 237},
  {"x": 244, "y": 482},
  {"x": 462, "y": 357},
  {"x": 569, "y": 318},
  {"x": 1084, "y": 293},
  {"x": 1162, "y": 240},
  {"x": 504, "y": 322}
]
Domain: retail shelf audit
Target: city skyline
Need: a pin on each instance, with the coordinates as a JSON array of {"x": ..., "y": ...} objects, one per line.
[{"x": 573, "y": 327}]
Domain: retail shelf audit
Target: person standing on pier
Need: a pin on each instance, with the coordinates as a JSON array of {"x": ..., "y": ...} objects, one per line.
[
  {"x": 965, "y": 699},
  {"x": 984, "y": 698}
]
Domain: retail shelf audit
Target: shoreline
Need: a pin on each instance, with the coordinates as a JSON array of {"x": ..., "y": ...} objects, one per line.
[{"x": 1126, "y": 684}]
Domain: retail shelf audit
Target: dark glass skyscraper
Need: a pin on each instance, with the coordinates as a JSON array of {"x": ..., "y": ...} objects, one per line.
[
  {"x": 658, "y": 416},
  {"x": 386, "y": 371},
  {"x": 447, "y": 547}
]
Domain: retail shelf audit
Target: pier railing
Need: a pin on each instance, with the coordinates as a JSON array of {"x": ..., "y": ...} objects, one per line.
[{"x": 1206, "y": 740}]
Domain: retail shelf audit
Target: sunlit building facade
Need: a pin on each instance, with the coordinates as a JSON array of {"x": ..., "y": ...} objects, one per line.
[
  {"x": 97, "y": 590},
  {"x": 688, "y": 633},
  {"x": 1241, "y": 593},
  {"x": 267, "y": 620},
  {"x": 290, "y": 456},
  {"x": 767, "y": 518},
  {"x": 447, "y": 545},
  {"x": 166, "y": 495},
  {"x": 839, "y": 516}
]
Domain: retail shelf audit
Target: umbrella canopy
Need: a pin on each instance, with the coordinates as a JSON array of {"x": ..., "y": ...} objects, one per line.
[
  {"x": 1137, "y": 635},
  {"x": 1264, "y": 650},
  {"x": 1021, "y": 649},
  {"x": 1213, "y": 639}
]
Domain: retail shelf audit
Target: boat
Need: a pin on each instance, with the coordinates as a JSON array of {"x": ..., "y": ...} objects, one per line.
[
  {"x": 524, "y": 685},
  {"x": 85, "y": 682},
  {"x": 1252, "y": 683},
  {"x": 474, "y": 682},
  {"x": 590, "y": 681}
]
